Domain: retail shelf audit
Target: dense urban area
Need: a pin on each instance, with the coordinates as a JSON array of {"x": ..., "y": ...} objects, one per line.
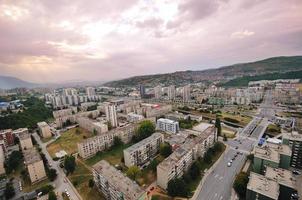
[{"x": 193, "y": 141}]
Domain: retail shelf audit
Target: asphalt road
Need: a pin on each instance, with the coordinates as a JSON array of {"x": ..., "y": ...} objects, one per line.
[{"x": 218, "y": 184}]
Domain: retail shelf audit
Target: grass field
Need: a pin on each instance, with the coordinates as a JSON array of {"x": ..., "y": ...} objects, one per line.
[
  {"x": 80, "y": 179},
  {"x": 243, "y": 120},
  {"x": 228, "y": 132},
  {"x": 68, "y": 141}
]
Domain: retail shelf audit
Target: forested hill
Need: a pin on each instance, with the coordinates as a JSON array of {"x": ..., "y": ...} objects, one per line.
[{"x": 268, "y": 66}]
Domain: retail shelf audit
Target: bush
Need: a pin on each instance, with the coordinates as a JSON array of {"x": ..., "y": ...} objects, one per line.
[
  {"x": 240, "y": 183},
  {"x": 165, "y": 149},
  {"x": 45, "y": 189},
  {"x": 177, "y": 187}
]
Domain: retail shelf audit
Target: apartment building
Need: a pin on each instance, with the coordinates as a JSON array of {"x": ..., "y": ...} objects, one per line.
[
  {"x": 34, "y": 165},
  {"x": 167, "y": 125},
  {"x": 44, "y": 130},
  {"x": 294, "y": 140},
  {"x": 171, "y": 92},
  {"x": 92, "y": 125},
  {"x": 8, "y": 137},
  {"x": 273, "y": 155},
  {"x": 114, "y": 185},
  {"x": 111, "y": 117},
  {"x": 186, "y": 93},
  {"x": 24, "y": 138},
  {"x": 133, "y": 117},
  {"x": 260, "y": 187},
  {"x": 181, "y": 159},
  {"x": 158, "y": 92},
  {"x": 144, "y": 151},
  {"x": 2, "y": 159},
  {"x": 90, "y": 91},
  {"x": 154, "y": 110}
]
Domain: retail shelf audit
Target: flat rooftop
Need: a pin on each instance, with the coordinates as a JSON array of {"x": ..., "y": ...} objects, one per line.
[
  {"x": 31, "y": 156},
  {"x": 293, "y": 136},
  {"x": 264, "y": 186},
  {"x": 202, "y": 127},
  {"x": 42, "y": 124},
  {"x": 164, "y": 120},
  {"x": 144, "y": 142},
  {"x": 282, "y": 176},
  {"x": 281, "y": 148},
  {"x": 121, "y": 183},
  {"x": 267, "y": 153},
  {"x": 20, "y": 130}
]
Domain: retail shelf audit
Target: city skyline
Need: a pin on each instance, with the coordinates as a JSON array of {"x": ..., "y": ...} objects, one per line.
[{"x": 54, "y": 41}]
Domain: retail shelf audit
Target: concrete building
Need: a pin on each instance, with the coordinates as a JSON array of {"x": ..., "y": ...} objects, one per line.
[
  {"x": 261, "y": 188},
  {"x": 186, "y": 93},
  {"x": 8, "y": 137},
  {"x": 286, "y": 180},
  {"x": 132, "y": 117},
  {"x": 92, "y": 126},
  {"x": 158, "y": 92},
  {"x": 2, "y": 159},
  {"x": 91, "y": 146},
  {"x": 44, "y": 130},
  {"x": 110, "y": 111},
  {"x": 294, "y": 140},
  {"x": 171, "y": 92},
  {"x": 114, "y": 185},
  {"x": 273, "y": 155},
  {"x": 154, "y": 110},
  {"x": 167, "y": 125},
  {"x": 181, "y": 159},
  {"x": 24, "y": 138},
  {"x": 34, "y": 165},
  {"x": 142, "y": 91},
  {"x": 90, "y": 91},
  {"x": 144, "y": 151}
]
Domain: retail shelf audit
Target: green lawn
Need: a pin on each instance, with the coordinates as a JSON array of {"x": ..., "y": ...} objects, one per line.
[
  {"x": 80, "y": 179},
  {"x": 243, "y": 120},
  {"x": 113, "y": 156},
  {"x": 68, "y": 141}
]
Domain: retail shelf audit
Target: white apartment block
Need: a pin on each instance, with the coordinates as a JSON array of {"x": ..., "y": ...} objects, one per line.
[
  {"x": 90, "y": 91},
  {"x": 181, "y": 159},
  {"x": 92, "y": 125},
  {"x": 186, "y": 93},
  {"x": 111, "y": 117},
  {"x": 44, "y": 130},
  {"x": 91, "y": 146},
  {"x": 158, "y": 92},
  {"x": 114, "y": 185},
  {"x": 167, "y": 125},
  {"x": 133, "y": 117},
  {"x": 34, "y": 165},
  {"x": 171, "y": 92},
  {"x": 144, "y": 151}
]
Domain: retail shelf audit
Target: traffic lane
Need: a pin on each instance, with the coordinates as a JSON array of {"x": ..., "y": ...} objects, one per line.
[
  {"x": 216, "y": 183},
  {"x": 242, "y": 144}
]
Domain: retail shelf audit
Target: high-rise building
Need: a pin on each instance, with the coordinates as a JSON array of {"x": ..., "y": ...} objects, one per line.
[
  {"x": 294, "y": 140},
  {"x": 186, "y": 93},
  {"x": 114, "y": 185},
  {"x": 167, "y": 125},
  {"x": 111, "y": 117},
  {"x": 44, "y": 129},
  {"x": 142, "y": 91},
  {"x": 171, "y": 92},
  {"x": 90, "y": 91},
  {"x": 142, "y": 152},
  {"x": 157, "y": 92},
  {"x": 34, "y": 165}
]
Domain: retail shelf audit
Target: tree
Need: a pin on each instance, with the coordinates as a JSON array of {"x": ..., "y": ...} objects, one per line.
[
  {"x": 69, "y": 164},
  {"x": 52, "y": 195},
  {"x": 177, "y": 187},
  {"x": 133, "y": 172},
  {"x": 145, "y": 129},
  {"x": 14, "y": 160},
  {"x": 91, "y": 183},
  {"x": 9, "y": 191},
  {"x": 194, "y": 170},
  {"x": 165, "y": 150},
  {"x": 207, "y": 158},
  {"x": 153, "y": 165},
  {"x": 95, "y": 132},
  {"x": 218, "y": 126},
  {"x": 117, "y": 141},
  {"x": 52, "y": 174},
  {"x": 240, "y": 183},
  {"x": 225, "y": 137}
]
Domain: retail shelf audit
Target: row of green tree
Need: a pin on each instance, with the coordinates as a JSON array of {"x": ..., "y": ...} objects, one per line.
[{"x": 34, "y": 112}]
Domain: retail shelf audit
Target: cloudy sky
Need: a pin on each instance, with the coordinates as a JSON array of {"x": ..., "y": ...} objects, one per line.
[{"x": 63, "y": 40}]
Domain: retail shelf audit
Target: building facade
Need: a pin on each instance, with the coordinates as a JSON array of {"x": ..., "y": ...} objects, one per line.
[
  {"x": 144, "y": 151},
  {"x": 44, "y": 130},
  {"x": 111, "y": 117},
  {"x": 167, "y": 125},
  {"x": 34, "y": 165},
  {"x": 294, "y": 140}
]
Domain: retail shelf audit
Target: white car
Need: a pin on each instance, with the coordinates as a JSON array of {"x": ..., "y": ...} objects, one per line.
[{"x": 229, "y": 164}]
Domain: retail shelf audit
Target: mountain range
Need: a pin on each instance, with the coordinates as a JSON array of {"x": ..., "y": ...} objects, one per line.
[
  {"x": 233, "y": 75},
  {"x": 282, "y": 64}
]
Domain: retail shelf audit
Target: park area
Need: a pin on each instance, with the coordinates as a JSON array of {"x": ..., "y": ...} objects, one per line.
[
  {"x": 229, "y": 133},
  {"x": 68, "y": 141}
]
